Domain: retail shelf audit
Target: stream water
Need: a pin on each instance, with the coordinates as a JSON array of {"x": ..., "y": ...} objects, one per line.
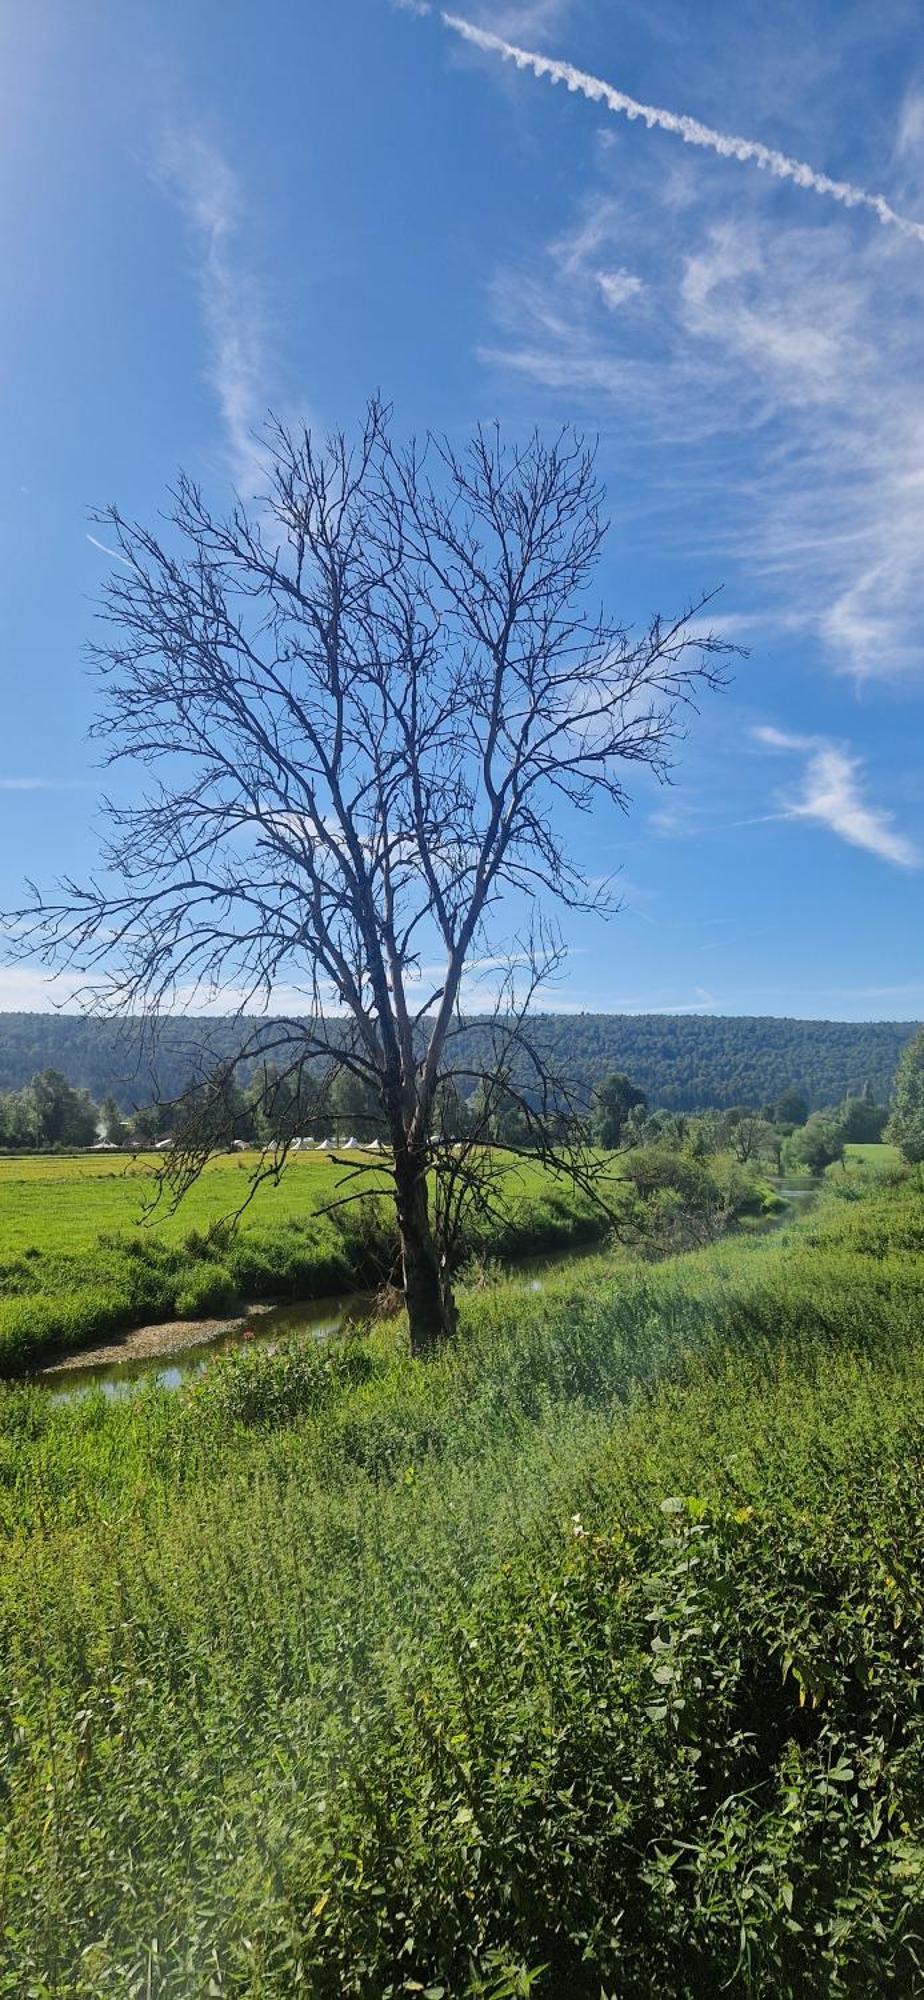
[{"x": 317, "y": 1319}]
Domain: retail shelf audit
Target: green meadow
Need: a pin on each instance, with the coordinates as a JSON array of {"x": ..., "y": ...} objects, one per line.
[
  {"x": 881, "y": 1159},
  {"x": 87, "y": 1251},
  {"x": 587, "y": 1658},
  {"x": 53, "y": 1202}
]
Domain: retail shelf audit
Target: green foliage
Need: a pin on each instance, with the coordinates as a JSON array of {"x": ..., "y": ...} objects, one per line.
[
  {"x": 751, "y": 1137},
  {"x": 683, "y": 1198},
  {"x": 62, "y": 1319},
  {"x": 588, "y": 1657},
  {"x": 862, "y": 1120},
  {"x": 681, "y": 1062},
  {"x": 906, "y": 1125},
  {"x": 790, "y": 1109},
  {"x": 49, "y": 1112},
  {"x": 192, "y": 1263},
  {"x": 817, "y": 1143},
  {"x": 207, "y": 1288},
  {"x": 614, "y": 1098},
  {"x": 822, "y": 1140}
]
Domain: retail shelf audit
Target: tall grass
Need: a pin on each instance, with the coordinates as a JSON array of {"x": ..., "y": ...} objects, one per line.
[{"x": 588, "y": 1658}]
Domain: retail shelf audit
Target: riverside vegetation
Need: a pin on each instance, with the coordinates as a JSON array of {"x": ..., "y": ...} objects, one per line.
[
  {"x": 115, "y": 1274},
  {"x": 586, "y": 1658}
]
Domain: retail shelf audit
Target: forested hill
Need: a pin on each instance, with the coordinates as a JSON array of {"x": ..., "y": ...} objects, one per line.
[{"x": 683, "y": 1062}]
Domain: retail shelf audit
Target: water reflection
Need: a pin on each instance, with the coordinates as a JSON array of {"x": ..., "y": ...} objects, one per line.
[{"x": 318, "y": 1318}]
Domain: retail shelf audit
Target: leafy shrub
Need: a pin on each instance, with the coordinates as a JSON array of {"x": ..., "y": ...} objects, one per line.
[
  {"x": 38, "y": 1321},
  {"x": 259, "y": 1386},
  {"x": 207, "y": 1288}
]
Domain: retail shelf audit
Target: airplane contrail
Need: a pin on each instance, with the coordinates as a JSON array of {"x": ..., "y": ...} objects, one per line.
[{"x": 726, "y": 144}]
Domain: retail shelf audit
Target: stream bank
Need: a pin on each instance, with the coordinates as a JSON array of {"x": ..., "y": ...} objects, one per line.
[{"x": 176, "y": 1351}]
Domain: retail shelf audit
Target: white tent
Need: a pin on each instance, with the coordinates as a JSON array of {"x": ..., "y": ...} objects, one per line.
[
  {"x": 324, "y": 1146},
  {"x": 348, "y": 1146}
]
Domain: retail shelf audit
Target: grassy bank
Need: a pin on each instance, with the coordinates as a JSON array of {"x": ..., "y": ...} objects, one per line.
[
  {"x": 82, "y": 1256},
  {"x": 587, "y": 1658}
]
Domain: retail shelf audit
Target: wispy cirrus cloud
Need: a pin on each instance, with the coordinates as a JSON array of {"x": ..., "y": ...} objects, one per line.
[
  {"x": 768, "y": 376},
  {"x": 769, "y": 368},
  {"x": 45, "y": 785},
  {"x": 209, "y": 194},
  {"x": 528, "y": 17},
  {"x": 517, "y": 17},
  {"x": 832, "y": 795}
]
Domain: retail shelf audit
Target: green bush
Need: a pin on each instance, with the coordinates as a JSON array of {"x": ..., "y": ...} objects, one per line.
[
  {"x": 37, "y": 1321},
  {"x": 207, "y": 1288}
]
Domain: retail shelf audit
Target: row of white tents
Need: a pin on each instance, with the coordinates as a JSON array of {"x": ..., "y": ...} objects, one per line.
[
  {"x": 338, "y": 1146},
  {"x": 247, "y": 1145}
]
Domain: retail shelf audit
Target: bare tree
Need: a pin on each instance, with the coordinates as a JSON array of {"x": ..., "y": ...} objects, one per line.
[{"x": 371, "y": 706}]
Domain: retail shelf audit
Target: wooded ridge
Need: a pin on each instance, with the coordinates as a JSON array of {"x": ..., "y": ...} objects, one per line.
[{"x": 682, "y": 1062}]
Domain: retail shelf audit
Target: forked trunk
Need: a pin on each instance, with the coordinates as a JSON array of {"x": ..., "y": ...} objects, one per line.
[{"x": 428, "y": 1295}]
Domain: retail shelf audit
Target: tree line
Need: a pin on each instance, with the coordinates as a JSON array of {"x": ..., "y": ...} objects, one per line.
[
  {"x": 273, "y": 1106},
  {"x": 683, "y": 1063}
]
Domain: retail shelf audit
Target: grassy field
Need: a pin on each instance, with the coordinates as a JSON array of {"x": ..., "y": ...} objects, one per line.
[
  {"x": 82, "y": 1255},
  {"x": 881, "y": 1160},
  {"x": 50, "y": 1203},
  {"x": 586, "y": 1659}
]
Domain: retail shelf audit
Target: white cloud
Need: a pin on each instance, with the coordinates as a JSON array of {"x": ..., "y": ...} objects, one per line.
[
  {"x": 617, "y": 287},
  {"x": 535, "y": 19},
  {"x": 827, "y": 350},
  {"x": 909, "y": 142},
  {"x": 704, "y": 1002},
  {"x": 727, "y": 145},
  {"x": 782, "y": 739},
  {"x": 530, "y": 17},
  {"x": 209, "y": 194},
  {"x": 775, "y": 395},
  {"x": 831, "y": 794},
  {"x": 26, "y": 989},
  {"x": 105, "y": 550}
]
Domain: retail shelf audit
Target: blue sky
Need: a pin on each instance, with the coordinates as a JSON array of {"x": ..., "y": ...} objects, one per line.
[{"x": 206, "y": 211}]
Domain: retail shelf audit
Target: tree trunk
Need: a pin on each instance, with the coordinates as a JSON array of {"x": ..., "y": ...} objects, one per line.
[{"x": 428, "y": 1295}]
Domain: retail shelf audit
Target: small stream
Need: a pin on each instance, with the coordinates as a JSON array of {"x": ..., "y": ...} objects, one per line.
[{"x": 316, "y": 1319}]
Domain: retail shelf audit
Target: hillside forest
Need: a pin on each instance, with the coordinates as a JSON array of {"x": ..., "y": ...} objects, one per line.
[{"x": 681, "y": 1062}]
